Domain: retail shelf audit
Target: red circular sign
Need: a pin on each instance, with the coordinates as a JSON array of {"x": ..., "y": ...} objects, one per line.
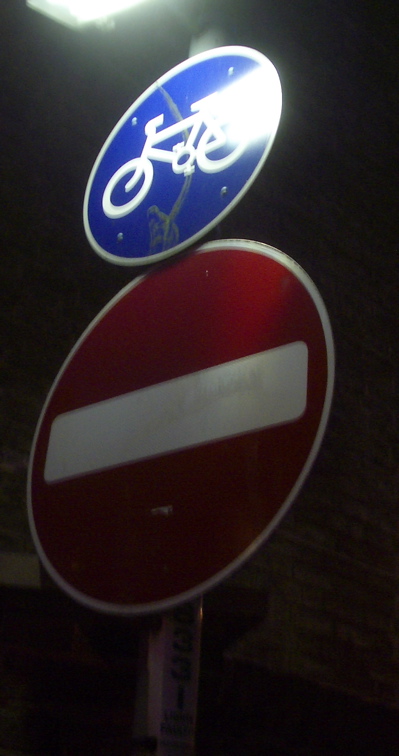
[{"x": 181, "y": 427}]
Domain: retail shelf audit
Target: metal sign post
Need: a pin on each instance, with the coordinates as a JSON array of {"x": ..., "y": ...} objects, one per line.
[{"x": 166, "y": 697}]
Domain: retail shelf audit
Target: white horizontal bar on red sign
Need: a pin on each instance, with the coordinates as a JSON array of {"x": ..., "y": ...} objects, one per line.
[{"x": 251, "y": 393}]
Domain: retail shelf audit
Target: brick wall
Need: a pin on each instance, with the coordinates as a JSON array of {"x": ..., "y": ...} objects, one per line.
[{"x": 331, "y": 568}]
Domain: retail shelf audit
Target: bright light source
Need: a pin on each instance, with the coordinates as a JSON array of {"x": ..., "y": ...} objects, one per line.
[
  {"x": 250, "y": 107},
  {"x": 79, "y": 12}
]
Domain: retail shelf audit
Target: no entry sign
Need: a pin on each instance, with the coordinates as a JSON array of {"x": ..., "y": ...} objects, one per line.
[{"x": 181, "y": 427}]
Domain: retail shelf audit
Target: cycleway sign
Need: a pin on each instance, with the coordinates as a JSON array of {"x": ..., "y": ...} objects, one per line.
[
  {"x": 182, "y": 156},
  {"x": 180, "y": 428}
]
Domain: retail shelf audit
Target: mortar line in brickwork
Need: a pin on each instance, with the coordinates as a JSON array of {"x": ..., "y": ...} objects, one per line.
[{"x": 343, "y": 557}]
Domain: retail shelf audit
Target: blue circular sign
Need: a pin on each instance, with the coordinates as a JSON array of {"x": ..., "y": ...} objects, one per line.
[{"x": 182, "y": 156}]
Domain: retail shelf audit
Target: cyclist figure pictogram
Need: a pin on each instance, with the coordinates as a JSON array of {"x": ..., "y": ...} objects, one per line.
[{"x": 205, "y": 135}]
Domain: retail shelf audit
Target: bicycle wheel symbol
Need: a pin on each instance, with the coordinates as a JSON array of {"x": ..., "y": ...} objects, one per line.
[{"x": 140, "y": 168}]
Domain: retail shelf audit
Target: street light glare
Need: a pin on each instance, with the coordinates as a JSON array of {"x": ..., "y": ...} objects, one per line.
[
  {"x": 245, "y": 114},
  {"x": 79, "y": 12}
]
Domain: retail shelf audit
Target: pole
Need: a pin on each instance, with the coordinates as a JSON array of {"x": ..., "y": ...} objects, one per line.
[{"x": 167, "y": 692}]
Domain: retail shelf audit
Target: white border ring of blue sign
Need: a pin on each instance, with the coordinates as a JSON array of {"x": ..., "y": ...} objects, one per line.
[{"x": 139, "y": 231}]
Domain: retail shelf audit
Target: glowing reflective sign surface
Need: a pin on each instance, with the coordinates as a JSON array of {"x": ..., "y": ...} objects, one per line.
[{"x": 182, "y": 156}]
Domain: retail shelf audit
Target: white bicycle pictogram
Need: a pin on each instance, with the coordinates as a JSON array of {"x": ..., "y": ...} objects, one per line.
[{"x": 183, "y": 157}]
